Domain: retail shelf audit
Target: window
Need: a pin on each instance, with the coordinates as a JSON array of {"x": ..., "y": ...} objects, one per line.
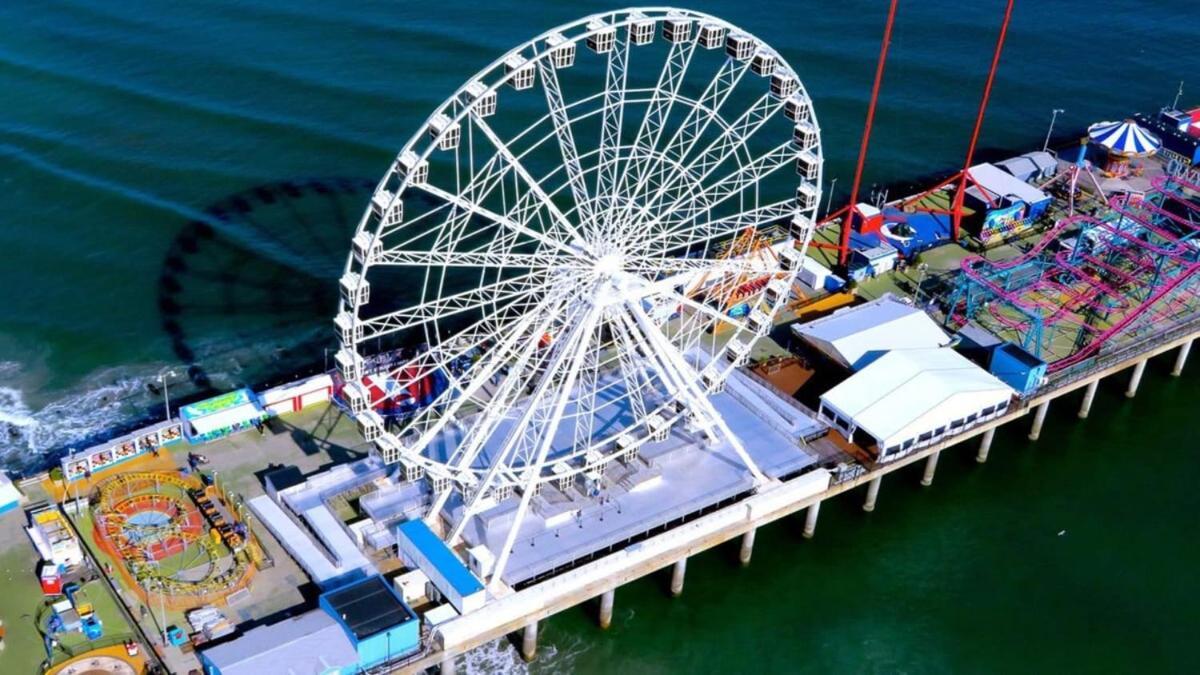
[
  {"x": 957, "y": 423},
  {"x": 988, "y": 410},
  {"x": 925, "y": 436},
  {"x": 972, "y": 417},
  {"x": 939, "y": 431}
]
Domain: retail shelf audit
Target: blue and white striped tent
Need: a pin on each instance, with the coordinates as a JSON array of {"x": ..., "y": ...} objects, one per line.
[{"x": 1125, "y": 139}]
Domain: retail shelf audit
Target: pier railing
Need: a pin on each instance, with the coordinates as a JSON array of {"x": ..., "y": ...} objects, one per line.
[{"x": 1146, "y": 343}]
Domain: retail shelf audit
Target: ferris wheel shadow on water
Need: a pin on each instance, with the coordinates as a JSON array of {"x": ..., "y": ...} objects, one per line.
[{"x": 244, "y": 295}]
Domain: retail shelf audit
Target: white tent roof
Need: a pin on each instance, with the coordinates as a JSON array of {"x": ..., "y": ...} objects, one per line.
[
  {"x": 999, "y": 184},
  {"x": 881, "y": 325},
  {"x": 226, "y": 418},
  {"x": 907, "y": 392}
]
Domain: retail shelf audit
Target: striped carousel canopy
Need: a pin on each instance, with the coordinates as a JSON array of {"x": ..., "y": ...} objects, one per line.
[{"x": 1126, "y": 139}]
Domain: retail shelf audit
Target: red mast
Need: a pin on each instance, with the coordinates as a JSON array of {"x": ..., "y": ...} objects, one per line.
[
  {"x": 987, "y": 92},
  {"x": 844, "y": 246}
]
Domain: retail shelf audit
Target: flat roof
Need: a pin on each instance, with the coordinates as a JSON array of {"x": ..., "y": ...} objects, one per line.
[
  {"x": 883, "y": 324},
  {"x": 368, "y": 607},
  {"x": 296, "y": 645},
  {"x": 999, "y": 183},
  {"x": 441, "y": 557}
]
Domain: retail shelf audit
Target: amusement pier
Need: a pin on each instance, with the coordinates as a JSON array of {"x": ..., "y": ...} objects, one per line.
[{"x": 596, "y": 319}]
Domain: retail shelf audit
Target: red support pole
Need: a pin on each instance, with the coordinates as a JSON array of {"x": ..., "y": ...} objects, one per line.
[
  {"x": 844, "y": 247},
  {"x": 956, "y": 222}
]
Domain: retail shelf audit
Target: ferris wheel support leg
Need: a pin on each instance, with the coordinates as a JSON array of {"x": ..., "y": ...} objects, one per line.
[
  {"x": 676, "y": 367},
  {"x": 577, "y": 352}
]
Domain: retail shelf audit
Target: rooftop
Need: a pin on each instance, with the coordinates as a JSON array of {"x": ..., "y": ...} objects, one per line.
[
  {"x": 368, "y": 607},
  {"x": 310, "y": 643}
]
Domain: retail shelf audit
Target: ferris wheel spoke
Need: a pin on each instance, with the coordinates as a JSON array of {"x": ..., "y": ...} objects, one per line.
[
  {"x": 687, "y": 207},
  {"x": 485, "y": 212},
  {"x": 569, "y": 233},
  {"x": 506, "y": 291},
  {"x": 566, "y": 138},
  {"x": 538, "y": 261},
  {"x": 615, "y": 78},
  {"x": 666, "y": 92},
  {"x": 666, "y": 240},
  {"x": 707, "y": 311},
  {"x": 703, "y": 112},
  {"x": 723, "y": 147}
]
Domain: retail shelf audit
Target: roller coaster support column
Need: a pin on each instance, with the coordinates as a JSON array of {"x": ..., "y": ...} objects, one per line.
[
  {"x": 747, "y": 547},
  {"x": 930, "y": 468},
  {"x": 1089, "y": 395},
  {"x": 529, "y": 641},
  {"x": 678, "y": 571},
  {"x": 606, "y": 608},
  {"x": 872, "y": 494},
  {"x": 985, "y": 445},
  {"x": 1182, "y": 358},
  {"x": 810, "y": 520},
  {"x": 1039, "y": 418},
  {"x": 1136, "y": 379}
]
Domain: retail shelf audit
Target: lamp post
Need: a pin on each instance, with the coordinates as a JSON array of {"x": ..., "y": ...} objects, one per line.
[
  {"x": 162, "y": 382},
  {"x": 829, "y": 202},
  {"x": 1053, "y": 116}
]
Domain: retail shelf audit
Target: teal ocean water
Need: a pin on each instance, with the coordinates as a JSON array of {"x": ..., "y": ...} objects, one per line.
[{"x": 127, "y": 127}]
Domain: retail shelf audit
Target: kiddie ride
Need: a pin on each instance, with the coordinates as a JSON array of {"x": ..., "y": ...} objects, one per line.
[{"x": 72, "y": 614}]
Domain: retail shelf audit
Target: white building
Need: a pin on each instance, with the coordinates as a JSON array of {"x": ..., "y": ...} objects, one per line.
[
  {"x": 857, "y": 335},
  {"x": 911, "y": 398}
]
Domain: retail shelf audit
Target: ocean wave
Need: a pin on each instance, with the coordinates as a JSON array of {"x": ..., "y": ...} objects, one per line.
[{"x": 27, "y": 435}]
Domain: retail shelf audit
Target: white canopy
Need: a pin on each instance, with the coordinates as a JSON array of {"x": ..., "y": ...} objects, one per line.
[
  {"x": 909, "y": 392},
  {"x": 855, "y": 335}
]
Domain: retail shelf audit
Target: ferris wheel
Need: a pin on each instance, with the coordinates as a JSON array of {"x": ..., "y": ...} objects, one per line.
[{"x": 580, "y": 244}]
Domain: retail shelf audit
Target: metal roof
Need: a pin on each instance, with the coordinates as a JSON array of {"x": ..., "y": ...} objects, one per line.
[
  {"x": 1000, "y": 184},
  {"x": 310, "y": 643},
  {"x": 368, "y": 607},
  {"x": 441, "y": 557},
  {"x": 852, "y": 335}
]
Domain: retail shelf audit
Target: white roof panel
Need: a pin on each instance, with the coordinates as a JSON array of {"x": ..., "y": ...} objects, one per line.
[
  {"x": 999, "y": 183},
  {"x": 907, "y": 392},
  {"x": 884, "y": 324}
]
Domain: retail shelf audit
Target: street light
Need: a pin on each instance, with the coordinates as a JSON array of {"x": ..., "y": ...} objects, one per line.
[
  {"x": 162, "y": 382},
  {"x": 1053, "y": 116}
]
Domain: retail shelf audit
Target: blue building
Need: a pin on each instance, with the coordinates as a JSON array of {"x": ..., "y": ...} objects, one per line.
[
  {"x": 310, "y": 643},
  {"x": 1017, "y": 368},
  {"x": 378, "y": 624},
  {"x": 420, "y": 548}
]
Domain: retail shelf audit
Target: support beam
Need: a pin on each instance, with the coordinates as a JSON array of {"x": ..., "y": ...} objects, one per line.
[
  {"x": 678, "y": 571},
  {"x": 1089, "y": 395},
  {"x": 872, "y": 494},
  {"x": 606, "y": 608},
  {"x": 985, "y": 445},
  {"x": 810, "y": 520},
  {"x": 1039, "y": 418},
  {"x": 529, "y": 641},
  {"x": 747, "y": 547},
  {"x": 1181, "y": 360},
  {"x": 930, "y": 469},
  {"x": 448, "y": 665},
  {"x": 1135, "y": 379}
]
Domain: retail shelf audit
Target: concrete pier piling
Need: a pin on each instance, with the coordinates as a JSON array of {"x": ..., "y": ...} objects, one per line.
[
  {"x": 448, "y": 666},
  {"x": 872, "y": 494},
  {"x": 529, "y": 641},
  {"x": 606, "y": 608},
  {"x": 1089, "y": 395},
  {"x": 985, "y": 445},
  {"x": 678, "y": 572},
  {"x": 810, "y": 520},
  {"x": 747, "y": 547},
  {"x": 1039, "y": 418},
  {"x": 930, "y": 469},
  {"x": 1135, "y": 379},
  {"x": 1181, "y": 360}
]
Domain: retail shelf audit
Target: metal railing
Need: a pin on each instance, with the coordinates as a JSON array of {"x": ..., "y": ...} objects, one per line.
[{"x": 1125, "y": 353}]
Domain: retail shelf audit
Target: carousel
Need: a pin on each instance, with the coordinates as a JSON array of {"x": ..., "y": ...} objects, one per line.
[{"x": 1124, "y": 141}]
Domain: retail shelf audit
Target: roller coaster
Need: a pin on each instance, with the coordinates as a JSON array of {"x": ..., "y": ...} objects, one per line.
[
  {"x": 171, "y": 536},
  {"x": 1092, "y": 283}
]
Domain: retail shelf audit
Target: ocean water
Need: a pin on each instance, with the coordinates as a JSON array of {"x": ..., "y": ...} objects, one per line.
[{"x": 128, "y": 128}]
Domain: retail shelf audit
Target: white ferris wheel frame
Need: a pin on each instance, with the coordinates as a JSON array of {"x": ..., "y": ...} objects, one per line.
[{"x": 587, "y": 246}]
